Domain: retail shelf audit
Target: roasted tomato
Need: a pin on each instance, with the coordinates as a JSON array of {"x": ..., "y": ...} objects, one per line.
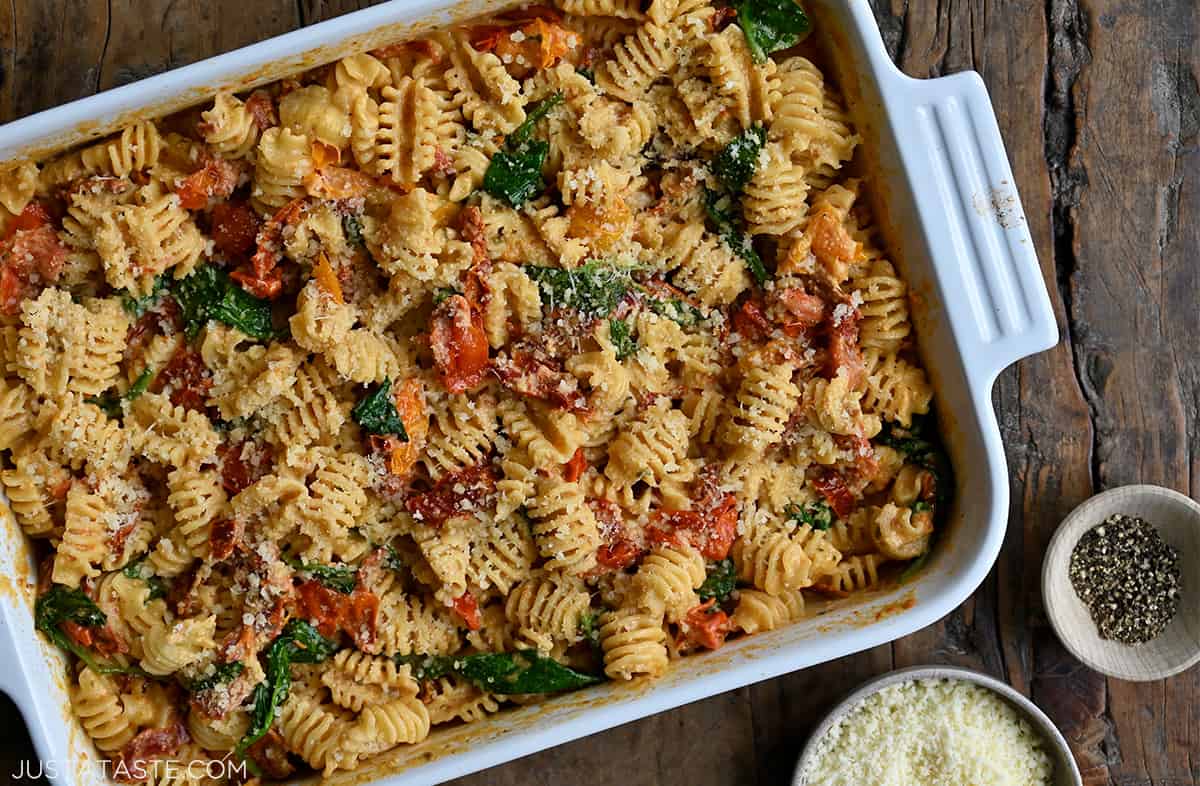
[
  {"x": 355, "y": 614},
  {"x": 573, "y": 470},
  {"x": 31, "y": 256},
  {"x": 234, "y": 228},
  {"x": 460, "y": 346},
  {"x": 146, "y": 747},
  {"x": 470, "y": 489},
  {"x": 750, "y": 322},
  {"x": 710, "y": 529},
  {"x": 216, "y": 179},
  {"x": 832, "y": 486},
  {"x": 705, "y": 627},
  {"x": 188, "y": 379},
  {"x": 466, "y": 607},
  {"x": 619, "y": 555},
  {"x": 263, "y": 278}
]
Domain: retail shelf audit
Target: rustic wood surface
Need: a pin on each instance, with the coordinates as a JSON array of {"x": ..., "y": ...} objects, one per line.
[{"x": 1099, "y": 104}]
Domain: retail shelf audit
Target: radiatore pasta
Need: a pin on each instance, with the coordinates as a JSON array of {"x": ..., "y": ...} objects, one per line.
[{"x": 542, "y": 351}]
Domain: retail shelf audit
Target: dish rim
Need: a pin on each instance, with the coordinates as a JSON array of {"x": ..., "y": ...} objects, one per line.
[
  {"x": 979, "y": 365},
  {"x": 1031, "y": 712}
]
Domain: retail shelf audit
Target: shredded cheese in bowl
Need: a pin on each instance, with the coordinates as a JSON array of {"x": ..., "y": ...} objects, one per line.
[{"x": 932, "y": 732}]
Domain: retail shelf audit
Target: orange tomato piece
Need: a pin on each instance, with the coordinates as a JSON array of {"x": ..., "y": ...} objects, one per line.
[
  {"x": 327, "y": 280},
  {"x": 410, "y": 406}
]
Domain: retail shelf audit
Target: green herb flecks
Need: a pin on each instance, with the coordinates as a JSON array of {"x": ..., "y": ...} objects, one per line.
[
  {"x": 341, "y": 578},
  {"x": 442, "y": 293},
  {"x": 816, "y": 514},
  {"x": 221, "y": 674},
  {"x": 209, "y": 293},
  {"x": 352, "y": 229},
  {"x": 621, "y": 335},
  {"x": 737, "y": 162},
  {"x": 377, "y": 414},
  {"x": 515, "y": 173},
  {"x": 299, "y": 643},
  {"x": 589, "y": 627},
  {"x": 502, "y": 672},
  {"x": 594, "y": 290},
  {"x": 136, "y": 306},
  {"x": 392, "y": 559},
  {"x": 771, "y": 25},
  {"x": 720, "y": 581},
  {"x": 587, "y": 73},
  {"x": 720, "y": 210},
  {"x": 58, "y": 605}
]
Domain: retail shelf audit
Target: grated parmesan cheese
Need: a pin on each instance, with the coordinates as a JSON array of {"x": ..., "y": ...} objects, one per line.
[{"x": 934, "y": 732}]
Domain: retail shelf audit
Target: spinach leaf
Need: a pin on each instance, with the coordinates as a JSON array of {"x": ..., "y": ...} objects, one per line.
[
  {"x": 816, "y": 514},
  {"x": 427, "y": 667},
  {"x": 298, "y": 643},
  {"x": 516, "y": 176},
  {"x": 914, "y": 567},
  {"x": 501, "y": 672},
  {"x": 622, "y": 338},
  {"x": 515, "y": 173},
  {"x": 352, "y": 228},
  {"x": 771, "y": 25},
  {"x": 594, "y": 290},
  {"x": 523, "y": 132},
  {"x": 221, "y": 674},
  {"x": 721, "y": 215},
  {"x": 522, "y": 672},
  {"x": 58, "y": 605},
  {"x": 737, "y": 162},
  {"x": 678, "y": 311},
  {"x": 136, "y": 570},
  {"x": 376, "y": 412},
  {"x": 921, "y": 445},
  {"x": 341, "y": 578},
  {"x": 137, "y": 306},
  {"x": 305, "y": 644},
  {"x": 209, "y": 293},
  {"x": 111, "y": 404},
  {"x": 720, "y": 582}
]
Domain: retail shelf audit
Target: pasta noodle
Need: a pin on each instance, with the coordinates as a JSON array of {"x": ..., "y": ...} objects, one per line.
[{"x": 560, "y": 340}]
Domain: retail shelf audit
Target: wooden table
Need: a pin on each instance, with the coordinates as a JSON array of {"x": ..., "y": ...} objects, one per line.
[{"x": 1100, "y": 107}]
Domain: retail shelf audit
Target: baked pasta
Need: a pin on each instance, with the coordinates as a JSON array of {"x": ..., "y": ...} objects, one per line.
[{"x": 538, "y": 352}]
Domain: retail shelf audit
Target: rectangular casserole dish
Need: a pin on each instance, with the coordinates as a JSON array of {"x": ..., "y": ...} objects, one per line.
[{"x": 953, "y": 220}]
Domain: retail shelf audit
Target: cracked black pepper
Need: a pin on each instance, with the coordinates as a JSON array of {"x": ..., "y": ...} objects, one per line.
[{"x": 1128, "y": 578}]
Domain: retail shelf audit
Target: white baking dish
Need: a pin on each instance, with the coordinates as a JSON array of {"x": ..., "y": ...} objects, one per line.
[{"x": 955, "y": 225}]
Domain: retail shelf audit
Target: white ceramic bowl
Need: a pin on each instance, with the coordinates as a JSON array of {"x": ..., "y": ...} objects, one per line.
[
  {"x": 1177, "y": 648},
  {"x": 954, "y": 222},
  {"x": 1066, "y": 772}
]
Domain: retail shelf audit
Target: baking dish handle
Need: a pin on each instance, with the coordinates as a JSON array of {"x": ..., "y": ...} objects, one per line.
[{"x": 1003, "y": 311}]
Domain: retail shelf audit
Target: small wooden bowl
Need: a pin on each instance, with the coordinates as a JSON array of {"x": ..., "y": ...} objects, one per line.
[
  {"x": 1066, "y": 772},
  {"x": 1177, "y": 648}
]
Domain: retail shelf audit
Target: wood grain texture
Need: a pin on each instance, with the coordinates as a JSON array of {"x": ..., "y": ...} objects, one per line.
[{"x": 1100, "y": 108}]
